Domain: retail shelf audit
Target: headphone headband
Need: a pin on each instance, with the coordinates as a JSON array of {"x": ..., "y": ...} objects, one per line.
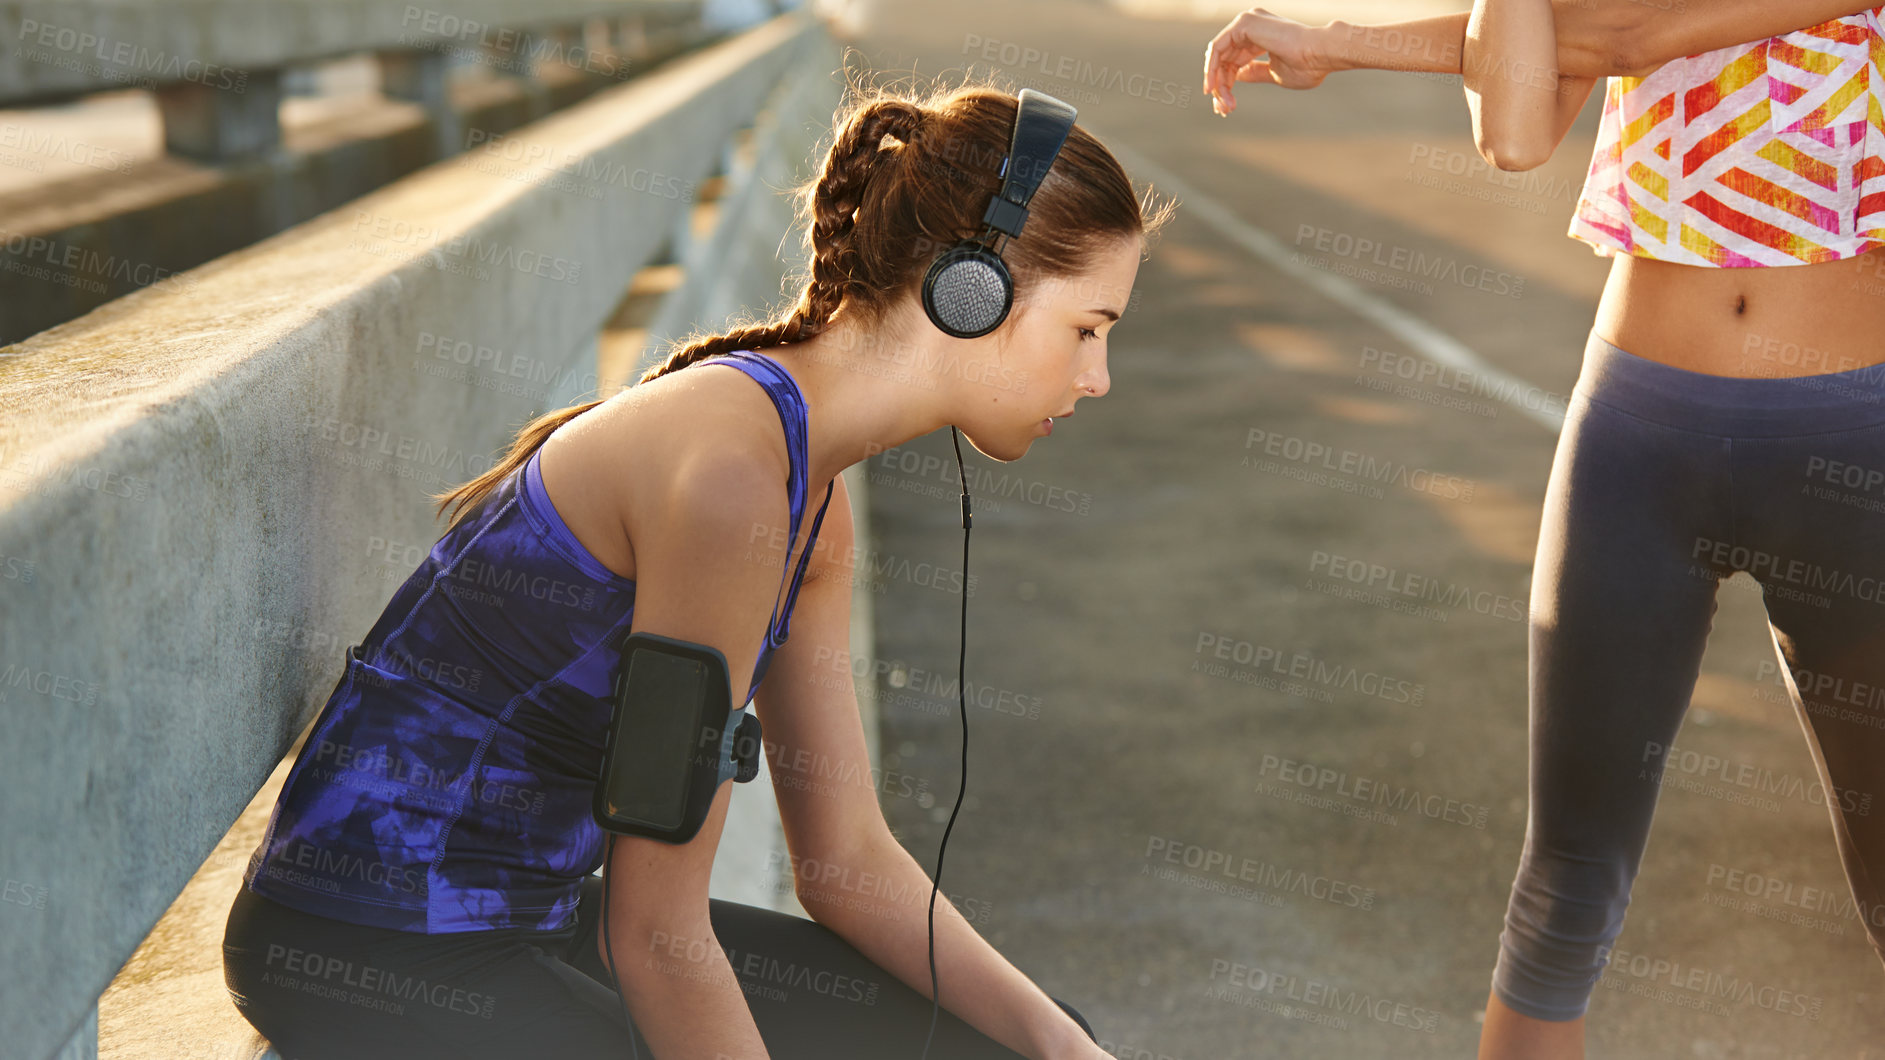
[{"x": 1041, "y": 127}]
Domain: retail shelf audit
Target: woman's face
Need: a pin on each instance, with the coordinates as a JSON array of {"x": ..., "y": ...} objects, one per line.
[{"x": 1048, "y": 353}]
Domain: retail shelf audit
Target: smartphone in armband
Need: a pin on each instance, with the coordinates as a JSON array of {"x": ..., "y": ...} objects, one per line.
[{"x": 673, "y": 738}]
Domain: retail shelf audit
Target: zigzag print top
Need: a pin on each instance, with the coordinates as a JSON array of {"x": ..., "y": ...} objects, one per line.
[{"x": 1770, "y": 152}]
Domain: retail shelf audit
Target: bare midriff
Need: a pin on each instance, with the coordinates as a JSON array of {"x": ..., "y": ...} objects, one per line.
[{"x": 1753, "y": 322}]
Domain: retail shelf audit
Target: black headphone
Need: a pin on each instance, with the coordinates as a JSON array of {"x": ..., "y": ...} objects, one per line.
[{"x": 968, "y": 291}]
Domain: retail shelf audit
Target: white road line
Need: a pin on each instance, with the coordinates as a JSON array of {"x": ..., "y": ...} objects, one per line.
[{"x": 1423, "y": 338}]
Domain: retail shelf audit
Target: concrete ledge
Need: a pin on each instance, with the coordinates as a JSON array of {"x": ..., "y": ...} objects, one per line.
[{"x": 202, "y": 484}]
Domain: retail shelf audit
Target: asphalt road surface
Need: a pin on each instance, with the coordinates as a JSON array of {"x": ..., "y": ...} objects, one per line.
[{"x": 1217, "y": 800}]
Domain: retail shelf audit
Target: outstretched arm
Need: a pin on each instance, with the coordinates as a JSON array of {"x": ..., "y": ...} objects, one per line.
[
  {"x": 1595, "y": 38},
  {"x": 1521, "y": 105}
]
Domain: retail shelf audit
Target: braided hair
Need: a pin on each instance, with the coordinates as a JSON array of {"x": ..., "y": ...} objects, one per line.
[
  {"x": 857, "y": 154},
  {"x": 905, "y": 177}
]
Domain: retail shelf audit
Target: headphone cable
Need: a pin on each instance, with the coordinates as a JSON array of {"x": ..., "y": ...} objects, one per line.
[{"x": 935, "y": 997}]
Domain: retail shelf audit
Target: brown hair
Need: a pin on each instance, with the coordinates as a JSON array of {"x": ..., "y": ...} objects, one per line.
[{"x": 879, "y": 214}]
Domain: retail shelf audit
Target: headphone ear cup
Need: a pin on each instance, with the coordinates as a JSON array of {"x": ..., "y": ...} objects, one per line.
[{"x": 968, "y": 291}]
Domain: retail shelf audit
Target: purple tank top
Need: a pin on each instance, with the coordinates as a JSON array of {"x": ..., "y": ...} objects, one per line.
[{"x": 447, "y": 784}]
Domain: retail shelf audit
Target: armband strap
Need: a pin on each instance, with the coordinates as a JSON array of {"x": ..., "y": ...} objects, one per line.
[{"x": 747, "y": 746}]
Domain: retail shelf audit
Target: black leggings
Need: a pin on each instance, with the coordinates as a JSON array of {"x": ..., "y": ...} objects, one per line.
[
  {"x": 1667, "y": 481},
  {"x": 324, "y": 989}
]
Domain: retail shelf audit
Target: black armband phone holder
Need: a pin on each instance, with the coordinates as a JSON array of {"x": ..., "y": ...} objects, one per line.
[{"x": 673, "y": 739}]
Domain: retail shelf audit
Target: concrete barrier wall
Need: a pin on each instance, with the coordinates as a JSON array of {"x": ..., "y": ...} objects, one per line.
[{"x": 208, "y": 490}]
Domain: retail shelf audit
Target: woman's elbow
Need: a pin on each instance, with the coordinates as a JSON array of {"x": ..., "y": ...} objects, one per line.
[
  {"x": 824, "y": 902},
  {"x": 1519, "y": 161},
  {"x": 819, "y": 871},
  {"x": 1513, "y": 153}
]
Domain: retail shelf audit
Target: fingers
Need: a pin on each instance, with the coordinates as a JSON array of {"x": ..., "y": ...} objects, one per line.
[
  {"x": 1255, "y": 70},
  {"x": 1225, "y": 77},
  {"x": 1228, "y": 50},
  {"x": 1220, "y": 70},
  {"x": 1224, "y": 85},
  {"x": 1230, "y": 53},
  {"x": 1212, "y": 59}
]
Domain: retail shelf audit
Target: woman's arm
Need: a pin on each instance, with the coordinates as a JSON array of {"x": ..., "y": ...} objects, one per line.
[
  {"x": 1520, "y": 105},
  {"x": 1595, "y": 38},
  {"x": 679, "y": 987},
  {"x": 862, "y": 884},
  {"x": 1298, "y": 56}
]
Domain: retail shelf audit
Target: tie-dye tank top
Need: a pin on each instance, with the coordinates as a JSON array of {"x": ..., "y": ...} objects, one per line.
[
  {"x": 446, "y": 785},
  {"x": 1770, "y": 152}
]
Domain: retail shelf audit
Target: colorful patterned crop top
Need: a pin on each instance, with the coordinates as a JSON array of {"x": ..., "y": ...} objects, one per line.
[
  {"x": 1770, "y": 152},
  {"x": 446, "y": 785}
]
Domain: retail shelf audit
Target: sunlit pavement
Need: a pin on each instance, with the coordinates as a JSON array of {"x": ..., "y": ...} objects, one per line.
[{"x": 1220, "y": 805}]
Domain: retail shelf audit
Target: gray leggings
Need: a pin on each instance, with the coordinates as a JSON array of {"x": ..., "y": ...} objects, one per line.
[{"x": 1666, "y": 481}]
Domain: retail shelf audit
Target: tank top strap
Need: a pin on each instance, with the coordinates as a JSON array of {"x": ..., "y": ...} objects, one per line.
[
  {"x": 798, "y": 578},
  {"x": 790, "y": 403}
]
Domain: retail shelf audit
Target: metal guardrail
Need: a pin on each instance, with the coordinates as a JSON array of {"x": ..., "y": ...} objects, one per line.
[
  {"x": 193, "y": 476},
  {"x": 59, "y": 48},
  {"x": 112, "y": 225}
]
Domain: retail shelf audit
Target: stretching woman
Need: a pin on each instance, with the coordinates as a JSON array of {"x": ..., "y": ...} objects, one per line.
[
  {"x": 424, "y": 887},
  {"x": 1727, "y": 395}
]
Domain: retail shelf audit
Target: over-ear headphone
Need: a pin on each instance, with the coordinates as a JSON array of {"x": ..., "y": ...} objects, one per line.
[{"x": 968, "y": 291}]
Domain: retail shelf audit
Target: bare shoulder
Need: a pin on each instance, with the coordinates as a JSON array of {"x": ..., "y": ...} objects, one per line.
[
  {"x": 697, "y": 442},
  {"x": 700, "y": 443}
]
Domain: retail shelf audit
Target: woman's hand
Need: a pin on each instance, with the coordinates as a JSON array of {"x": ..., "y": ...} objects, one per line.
[{"x": 1295, "y": 60}]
